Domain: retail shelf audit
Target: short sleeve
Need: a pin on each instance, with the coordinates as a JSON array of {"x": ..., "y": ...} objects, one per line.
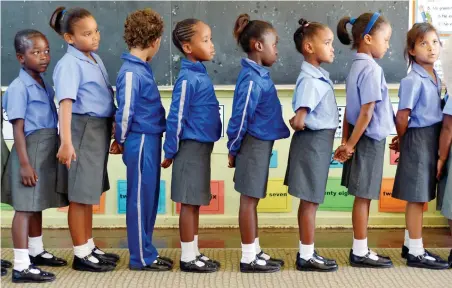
[
  {"x": 66, "y": 78},
  {"x": 15, "y": 101},
  {"x": 307, "y": 95},
  {"x": 369, "y": 85},
  {"x": 448, "y": 107},
  {"x": 408, "y": 93}
]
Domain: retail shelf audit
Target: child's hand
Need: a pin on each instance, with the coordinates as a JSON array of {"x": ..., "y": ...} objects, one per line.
[
  {"x": 294, "y": 127},
  {"x": 395, "y": 144},
  {"x": 439, "y": 168},
  {"x": 29, "y": 176},
  {"x": 166, "y": 163},
  {"x": 231, "y": 161},
  {"x": 66, "y": 154},
  {"x": 343, "y": 153},
  {"x": 116, "y": 148}
]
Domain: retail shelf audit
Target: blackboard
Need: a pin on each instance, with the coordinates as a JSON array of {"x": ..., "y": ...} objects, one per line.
[{"x": 220, "y": 15}]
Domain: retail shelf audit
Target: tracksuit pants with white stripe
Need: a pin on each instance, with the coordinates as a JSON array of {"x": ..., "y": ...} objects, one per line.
[{"x": 142, "y": 155}]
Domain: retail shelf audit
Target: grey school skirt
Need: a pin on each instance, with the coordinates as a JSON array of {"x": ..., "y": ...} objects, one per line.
[
  {"x": 42, "y": 147},
  {"x": 251, "y": 167},
  {"x": 444, "y": 200},
  {"x": 363, "y": 172},
  {"x": 309, "y": 163},
  {"x": 5, "y": 180},
  {"x": 190, "y": 181},
  {"x": 87, "y": 178},
  {"x": 415, "y": 179}
]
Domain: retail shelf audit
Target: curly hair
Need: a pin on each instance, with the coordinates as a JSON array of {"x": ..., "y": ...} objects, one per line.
[{"x": 142, "y": 27}]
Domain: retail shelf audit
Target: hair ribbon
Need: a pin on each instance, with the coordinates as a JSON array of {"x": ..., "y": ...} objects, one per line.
[{"x": 371, "y": 23}]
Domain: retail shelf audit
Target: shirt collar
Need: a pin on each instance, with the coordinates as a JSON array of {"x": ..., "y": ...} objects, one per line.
[
  {"x": 135, "y": 59},
  {"x": 424, "y": 74},
  {"x": 194, "y": 66},
  {"x": 260, "y": 69},
  {"x": 363, "y": 56},
  {"x": 315, "y": 72},
  {"x": 78, "y": 54},
  {"x": 27, "y": 79}
]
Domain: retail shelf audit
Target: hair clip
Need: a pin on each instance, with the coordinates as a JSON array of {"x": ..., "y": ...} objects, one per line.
[
  {"x": 306, "y": 25},
  {"x": 63, "y": 12},
  {"x": 352, "y": 20}
]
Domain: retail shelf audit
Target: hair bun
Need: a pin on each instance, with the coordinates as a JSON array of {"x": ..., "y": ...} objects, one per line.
[
  {"x": 303, "y": 22},
  {"x": 240, "y": 24}
]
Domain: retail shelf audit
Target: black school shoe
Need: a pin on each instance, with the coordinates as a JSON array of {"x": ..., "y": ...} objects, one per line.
[
  {"x": 6, "y": 264},
  {"x": 422, "y": 262},
  {"x": 191, "y": 267},
  {"x": 166, "y": 259},
  {"x": 53, "y": 262},
  {"x": 254, "y": 267},
  {"x": 271, "y": 261},
  {"x": 405, "y": 251},
  {"x": 210, "y": 261},
  {"x": 158, "y": 266},
  {"x": 26, "y": 276},
  {"x": 4, "y": 271},
  {"x": 313, "y": 265},
  {"x": 367, "y": 262},
  {"x": 83, "y": 264},
  {"x": 112, "y": 256},
  {"x": 326, "y": 260},
  {"x": 104, "y": 259}
]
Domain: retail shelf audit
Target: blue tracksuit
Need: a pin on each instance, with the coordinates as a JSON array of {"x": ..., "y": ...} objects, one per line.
[
  {"x": 256, "y": 108},
  {"x": 140, "y": 123},
  {"x": 194, "y": 112}
]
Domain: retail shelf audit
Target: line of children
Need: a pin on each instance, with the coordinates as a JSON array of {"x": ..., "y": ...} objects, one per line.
[{"x": 87, "y": 111}]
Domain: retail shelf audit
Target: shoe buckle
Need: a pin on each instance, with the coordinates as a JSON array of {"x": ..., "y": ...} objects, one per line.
[
  {"x": 26, "y": 271},
  {"x": 312, "y": 260},
  {"x": 420, "y": 257}
]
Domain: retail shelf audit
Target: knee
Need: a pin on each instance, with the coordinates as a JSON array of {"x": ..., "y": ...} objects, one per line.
[{"x": 248, "y": 202}]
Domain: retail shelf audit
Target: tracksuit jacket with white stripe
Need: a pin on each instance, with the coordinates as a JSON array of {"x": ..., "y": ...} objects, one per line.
[
  {"x": 140, "y": 108},
  {"x": 194, "y": 113},
  {"x": 256, "y": 108}
]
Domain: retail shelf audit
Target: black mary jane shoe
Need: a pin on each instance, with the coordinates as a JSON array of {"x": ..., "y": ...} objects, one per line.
[
  {"x": 405, "y": 251},
  {"x": 326, "y": 260},
  {"x": 84, "y": 264},
  {"x": 4, "y": 271},
  {"x": 26, "y": 276},
  {"x": 315, "y": 264},
  {"x": 421, "y": 261},
  {"x": 254, "y": 267},
  {"x": 106, "y": 260},
  {"x": 166, "y": 259},
  {"x": 6, "y": 264},
  {"x": 112, "y": 256},
  {"x": 39, "y": 260},
  {"x": 191, "y": 267},
  {"x": 210, "y": 261},
  {"x": 367, "y": 262},
  {"x": 158, "y": 266},
  {"x": 271, "y": 261}
]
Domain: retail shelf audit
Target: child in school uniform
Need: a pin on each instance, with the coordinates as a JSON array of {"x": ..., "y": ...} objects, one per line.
[
  {"x": 369, "y": 119},
  {"x": 255, "y": 124},
  {"x": 86, "y": 114},
  {"x": 140, "y": 123},
  {"x": 315, "y": 124},
  {"x": 193, "y": 125},
  {"x": 5, "y": 155},
  {"x": 32, "y": 166},
  {"x": 418, "y": 125}
]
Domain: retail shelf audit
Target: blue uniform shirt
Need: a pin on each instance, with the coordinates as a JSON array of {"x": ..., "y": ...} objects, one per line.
[
  {"x": 27, "y": 99},
  {"x": 140, "y": 107},
  {"x": 419, "y": 93},
  {"x": 256, "y": 108},
  {"x": 314, "y": 91},
  {"x": 194, "y": 113},
  {"x": 80, "y": 79},
  {"x": 448, "y": 107},
  {"x": 365, "y": 84}
]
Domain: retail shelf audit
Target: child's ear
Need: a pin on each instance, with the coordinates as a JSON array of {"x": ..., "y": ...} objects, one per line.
[
  {"x": 186, "y": 47},
  {"x": 21, "y": 58},
  {"x": 156, "y": 43},
  {"x": 411, "y": 52},
  {"x": 367, "y": 39},
  {"x": 258, "y": 46},
  {"x": 68, "y": 38},
  {"x": 308, "y": 47}
]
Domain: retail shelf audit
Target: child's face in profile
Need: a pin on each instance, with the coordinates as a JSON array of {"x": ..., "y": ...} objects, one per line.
[
  {"x": 202, "y": 48},
  {"x": 427, "y": 49},
  {"x": 322, "y": 44},
  {"x": 269, "y": 50},
  {"x": 86, "y": 35},
  {"x": 37, "y": 55},
  {"x": 380, "y": 41}
]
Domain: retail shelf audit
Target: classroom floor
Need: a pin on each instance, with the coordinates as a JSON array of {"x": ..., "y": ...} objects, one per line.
[{"x": 223, "y": 245}]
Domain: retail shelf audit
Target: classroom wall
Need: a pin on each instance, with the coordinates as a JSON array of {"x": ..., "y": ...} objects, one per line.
[{"x": 278, "y": 209}]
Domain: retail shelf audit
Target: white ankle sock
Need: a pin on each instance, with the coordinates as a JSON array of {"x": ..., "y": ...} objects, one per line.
[
  {"x": 259, "y": 249},
  {"x": 416, "y": 247},
  {"x": 406, "y": 241},
  {"x": 360, "y": 247},
  {"x": 188, "y": 253},
  {"x": 93, "y": 248},
  {"x": 195, "y": 246},
  {"x": 306, "y": 251},
  {"x": 36, "y": 247},
  {"x": 83, "y": 251},
  {"x": 22, "y": 261},
  {"x": 249, "y": 254}
]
